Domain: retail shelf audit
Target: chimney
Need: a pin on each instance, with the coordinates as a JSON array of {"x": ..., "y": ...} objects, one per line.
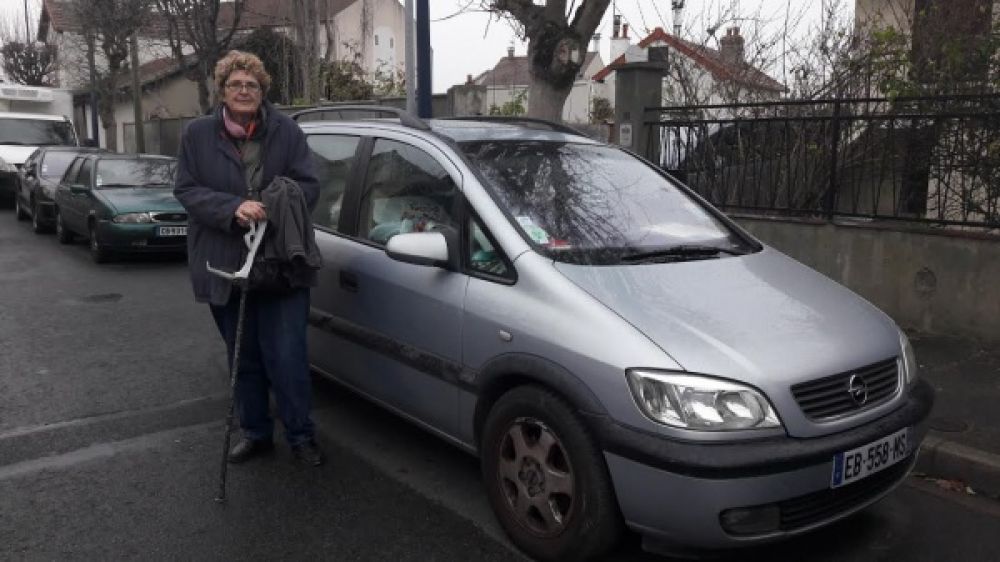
[
  {"x": 620, "y": 42},
  {"x": 617, "y": 26},
  {"x": 510, "y": 51},
  {"x": 731, "y": 47}
]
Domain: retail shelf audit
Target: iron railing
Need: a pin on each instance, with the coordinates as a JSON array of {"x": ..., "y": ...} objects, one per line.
[{"x": 927, "y": 160}]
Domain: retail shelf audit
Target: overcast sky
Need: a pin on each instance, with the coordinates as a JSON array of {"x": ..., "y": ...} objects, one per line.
[{"x": 469, "y": 42}]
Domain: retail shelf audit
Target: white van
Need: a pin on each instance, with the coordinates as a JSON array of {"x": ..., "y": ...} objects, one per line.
[{"x": 20, "y": 135}]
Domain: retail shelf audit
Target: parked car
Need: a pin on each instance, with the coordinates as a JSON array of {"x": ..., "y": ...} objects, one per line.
[
  {"x": 612, "y": 348},
  {"x": 39, "y": 178},
  {"x": 22, "y": 133},
  {"x": 122, "y": 204}
]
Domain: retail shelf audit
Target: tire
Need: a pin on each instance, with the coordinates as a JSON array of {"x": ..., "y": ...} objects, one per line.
[
  {"x": 36, "y": 221},
  {"x": 531, "y": 437},
  {"x": 63, "y": 235},
  {"x": 19, "y": 210},
  {"x": 98, "y": 251}
]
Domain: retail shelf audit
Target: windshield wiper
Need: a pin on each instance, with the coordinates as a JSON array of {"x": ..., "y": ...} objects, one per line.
[
  {"x": 682, "y": 252},
  {"x": 106, "y": 185}
]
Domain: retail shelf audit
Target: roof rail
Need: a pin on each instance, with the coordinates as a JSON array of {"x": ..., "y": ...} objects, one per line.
[
  {"x": 406, "y": 119},
  {"x": 550, "y": 125}
]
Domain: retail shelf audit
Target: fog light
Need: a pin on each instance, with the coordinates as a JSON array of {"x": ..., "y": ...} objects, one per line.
[
  {"x": 139, "y": 242},
  {"x": 751, "y": 520}
]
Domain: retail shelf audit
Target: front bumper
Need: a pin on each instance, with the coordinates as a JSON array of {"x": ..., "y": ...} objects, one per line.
[
  {"x": 46, "y": 210},
  {"x": 674, "y": 493},
  {"x": 139, "y": 238}
]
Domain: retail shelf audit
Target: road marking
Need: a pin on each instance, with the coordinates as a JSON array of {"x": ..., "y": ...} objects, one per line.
[
  {"x": 97, "y": 452},
  {"x": 111, "y": 416}
]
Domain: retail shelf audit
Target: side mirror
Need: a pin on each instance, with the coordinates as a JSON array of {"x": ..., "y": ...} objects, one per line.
[
  {"x": 419, "y": 248},
  {"x": 78, "y": 189}
]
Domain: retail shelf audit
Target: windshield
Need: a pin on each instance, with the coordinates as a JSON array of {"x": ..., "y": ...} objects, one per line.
[
  {"x": 594, "y": 204},
  {"x": 36, "y": 132},
  {"x": 54, "y": 164},
  {"x": 145, "y": 172}
]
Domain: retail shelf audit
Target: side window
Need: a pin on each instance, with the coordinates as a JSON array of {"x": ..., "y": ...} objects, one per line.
[
  {"x": 482, "y": 256},
  {"x": 406, "y": 190},
  {"x": 72, "y": 172},
  {"x": 86, "y": 173},
  {"x": 333, "y": 156}
]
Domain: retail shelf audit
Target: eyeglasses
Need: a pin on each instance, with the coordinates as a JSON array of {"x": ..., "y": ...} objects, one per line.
[{"x": 251, "y": 87}]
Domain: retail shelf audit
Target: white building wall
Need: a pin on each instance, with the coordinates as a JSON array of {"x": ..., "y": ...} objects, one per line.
[{"x": 356, "y": 27}]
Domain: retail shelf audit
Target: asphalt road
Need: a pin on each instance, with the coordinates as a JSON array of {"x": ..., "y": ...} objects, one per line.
[{"x": 112, "y": 392}]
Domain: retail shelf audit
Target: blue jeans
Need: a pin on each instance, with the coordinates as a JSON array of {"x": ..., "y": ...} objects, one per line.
[{"x": 273, "y": 355}]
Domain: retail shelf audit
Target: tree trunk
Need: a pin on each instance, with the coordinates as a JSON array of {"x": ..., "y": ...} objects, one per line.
[
  {"x": 205, "y": 93},
  {"x": 546, "y": 101}
]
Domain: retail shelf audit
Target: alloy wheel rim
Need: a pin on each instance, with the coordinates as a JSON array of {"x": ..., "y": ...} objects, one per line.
[{"x": 536, "y": 477}]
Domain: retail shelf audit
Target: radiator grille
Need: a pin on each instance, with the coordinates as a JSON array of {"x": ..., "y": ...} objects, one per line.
[{"x": 849, "y": 392}]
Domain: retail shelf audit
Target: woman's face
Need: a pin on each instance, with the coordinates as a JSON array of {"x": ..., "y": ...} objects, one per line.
[{"x": 242, "y": 93}]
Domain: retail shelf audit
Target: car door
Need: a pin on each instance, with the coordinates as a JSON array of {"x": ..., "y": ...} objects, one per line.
[
  {"x": 79, "y": 203},
  {"x": 335, "y": 159},
  {"x": 404, "y": 321},
  {"x": 29, "y": 178},
  {"x": 64, "y": 197}
]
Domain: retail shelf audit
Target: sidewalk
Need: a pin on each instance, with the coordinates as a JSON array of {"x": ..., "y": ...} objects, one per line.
[{"x": 964, "y": 441}]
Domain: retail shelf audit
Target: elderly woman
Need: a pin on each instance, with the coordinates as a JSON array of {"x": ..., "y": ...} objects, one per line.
[{"x": 226, "y": 159}]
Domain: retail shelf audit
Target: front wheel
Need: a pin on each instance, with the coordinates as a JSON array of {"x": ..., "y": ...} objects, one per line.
[
  {"x": 63, "y": 235},
  {"x": 36, "y": 220},
  {"x": 98, "y": 251},
  {"x": 546, "y": 479},
  {"x": 19, "y": 210}
]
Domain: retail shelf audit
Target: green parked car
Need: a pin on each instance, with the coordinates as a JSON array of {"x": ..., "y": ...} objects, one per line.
[{"x": 122, "y": 203}]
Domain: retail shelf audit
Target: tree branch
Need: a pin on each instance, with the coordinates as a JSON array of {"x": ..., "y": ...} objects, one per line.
[{"x": 588, "y": 16}]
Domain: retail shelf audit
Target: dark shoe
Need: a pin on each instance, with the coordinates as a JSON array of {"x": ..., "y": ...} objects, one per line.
[
  {"x": 248, "y": 449},
  {"x": 308, "y": 454}
]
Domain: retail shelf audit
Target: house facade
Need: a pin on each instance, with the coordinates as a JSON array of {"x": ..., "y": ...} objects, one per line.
[
  {"x": 695, "y": 74},
  {"x": 367, "y": 31},
  {"x": 511, "y": 78}
]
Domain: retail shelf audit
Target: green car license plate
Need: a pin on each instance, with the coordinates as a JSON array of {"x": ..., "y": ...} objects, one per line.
[
  {"x": 172, "y": 231},
  {"x": 856, "y": 464}
]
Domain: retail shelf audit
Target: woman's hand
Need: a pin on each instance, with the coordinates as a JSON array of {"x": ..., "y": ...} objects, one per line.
[{"x": 250, "y": 211}]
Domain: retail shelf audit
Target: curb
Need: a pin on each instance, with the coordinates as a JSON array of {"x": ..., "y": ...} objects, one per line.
[{"x": 978, "y": 469}]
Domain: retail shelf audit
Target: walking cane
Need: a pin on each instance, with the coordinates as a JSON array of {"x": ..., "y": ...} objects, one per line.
[{"x": 239, "y": 280}]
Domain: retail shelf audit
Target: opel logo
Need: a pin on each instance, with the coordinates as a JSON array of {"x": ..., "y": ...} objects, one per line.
[{"x": 858, "y": 389}]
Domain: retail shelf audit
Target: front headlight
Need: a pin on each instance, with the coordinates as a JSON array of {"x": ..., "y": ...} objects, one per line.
[
  {"x": 907, "y": 358},
  {"x": 133, "y": 218},
  {"x": 7, "y": 167},
  {"x": 701, "y": 403}
]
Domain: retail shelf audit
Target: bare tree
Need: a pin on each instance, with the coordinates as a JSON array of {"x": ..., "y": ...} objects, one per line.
[
  {"x": 25, "y": 61},
  {"x": 306, "y": 14},
  {"x": 108, "y": 25},
  {"x": 200, "y": 32},
  {"x": 557, "y": 36}
]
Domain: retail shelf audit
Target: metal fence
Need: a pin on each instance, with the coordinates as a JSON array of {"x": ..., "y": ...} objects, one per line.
[{"x": 925, "y": 160}]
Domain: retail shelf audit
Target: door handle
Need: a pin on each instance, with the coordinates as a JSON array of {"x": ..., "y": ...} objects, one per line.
[{"x": 349, "y": 281}]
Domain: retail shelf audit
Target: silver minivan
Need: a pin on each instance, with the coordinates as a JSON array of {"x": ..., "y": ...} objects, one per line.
[{"x": 617, "y": 352}]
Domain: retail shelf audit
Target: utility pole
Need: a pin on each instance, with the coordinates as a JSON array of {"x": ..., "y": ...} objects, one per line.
[
  {"x": 424, "y": 59},
  {"x": 140, "y": 129},
  {"x": 410, "y": 56},
  {"x": 27, "y": 25},
  {"x": 95, "y": 132}
]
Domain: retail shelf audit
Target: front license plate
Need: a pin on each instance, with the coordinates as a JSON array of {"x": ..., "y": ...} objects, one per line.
[
  {"x": 172, "y": 231},
  {"x": 851, "y": 466}
]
